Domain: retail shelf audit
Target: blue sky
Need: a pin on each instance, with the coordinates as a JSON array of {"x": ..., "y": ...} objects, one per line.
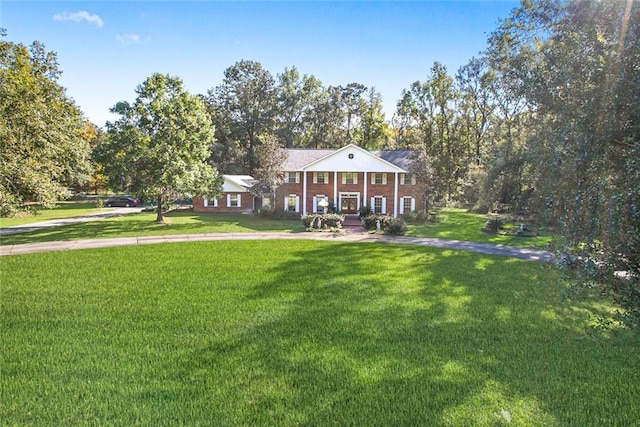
[{"x": 105, "y": 49}]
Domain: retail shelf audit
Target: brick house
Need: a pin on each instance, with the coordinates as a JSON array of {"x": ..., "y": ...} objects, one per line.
[{"x": 347, "y": 178}]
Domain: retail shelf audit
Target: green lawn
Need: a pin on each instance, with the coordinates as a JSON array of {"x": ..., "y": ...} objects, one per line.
[
  {"x": 314, "y": 333},
  {"x": 62, "y": 210},
  {"x": 459, "y": 224},
  {"x": 143, "y": 224}
]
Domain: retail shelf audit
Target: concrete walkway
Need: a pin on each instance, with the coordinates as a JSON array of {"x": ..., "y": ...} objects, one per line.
[{"x": 485, "y": 248}]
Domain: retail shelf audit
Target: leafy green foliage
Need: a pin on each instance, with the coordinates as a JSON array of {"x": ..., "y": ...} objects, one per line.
[
  {"x": 396, "y": 227},
  {"x": 42, "y": 148},
  {"x": 323, "y": 221},
  {"x": 160, "y": 146}
]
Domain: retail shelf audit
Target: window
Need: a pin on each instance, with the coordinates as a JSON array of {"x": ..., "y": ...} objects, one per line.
[
  {"x": 211, "y": 203},
  {"x": 292, "y": 177},
  {"x": 349, "y": 178},
  {"x": 407, "y": 179},
  {"x": 291, "y": 203},
  {"x": 408, "y": 205},
  {"x": 321, "y": 177},
  {"x": 379, "y": 204},
  {"x": 316, "y": 203},
  {"x": 233, "y": 201},
  {"x": 379, "y": 178}
]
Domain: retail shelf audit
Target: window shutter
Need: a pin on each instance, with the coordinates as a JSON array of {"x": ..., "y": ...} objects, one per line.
[
  {"x": 315, "y": 204},
  {"x": 373, "y": 204},
  {"x": 297, "y": 177},
  {"x": 297, "y": 203},
  {"x": 205, "y": 203},
  {"x": 402, "y": 206},
  {"x": 384, "y": 179},
  {"x": 344, "y": 177},
  {"x": 239, "y": 202},
  {"x": 228, "y": 200},
  {"x": 315, "y": 177},
  {"x": 373, "y": 179},
  {"x": 384, "y": 205},
  {"x": 413, "y": 179},
  {"x": 286, "y": 203},
  {"x": 355, "y": 177}
]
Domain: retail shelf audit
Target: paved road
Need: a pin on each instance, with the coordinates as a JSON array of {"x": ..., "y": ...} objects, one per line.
[
  {"x": 485, "y": 248},
  {"x": 16, "y": 229}
]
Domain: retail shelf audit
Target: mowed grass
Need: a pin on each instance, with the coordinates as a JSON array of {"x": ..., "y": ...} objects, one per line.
[
  {"x": 460, "y": 224},
  {"x": 61, "y": 210},
  {"x": 143, "y": 224},
  {"x": 313, "y": 333}
]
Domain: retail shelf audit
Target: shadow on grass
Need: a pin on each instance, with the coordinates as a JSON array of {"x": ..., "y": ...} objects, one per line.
[{"x": 428, "y": 337}]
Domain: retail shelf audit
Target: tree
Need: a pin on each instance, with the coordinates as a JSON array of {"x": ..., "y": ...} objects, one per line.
[
  {"x": 574, "y": 65},
  {"x": 269, "y": 174},
  {"x": 246, "y": 102},
  {"x": 42, "y": 148},
  {"x": 295, "y": 96},
  {"x": 160, "y": 145}
]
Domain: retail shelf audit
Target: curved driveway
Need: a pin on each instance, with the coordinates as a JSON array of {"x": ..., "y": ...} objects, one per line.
[{"x": 485, "y": 248}]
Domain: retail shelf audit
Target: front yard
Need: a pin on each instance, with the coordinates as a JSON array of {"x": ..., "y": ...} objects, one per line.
[{"x": 313, "y": 333}]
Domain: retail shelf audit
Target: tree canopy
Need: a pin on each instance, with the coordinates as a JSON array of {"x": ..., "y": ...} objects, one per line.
[
  {"x": 160, "y": 145},
  {"x": 43, "y": 144}
]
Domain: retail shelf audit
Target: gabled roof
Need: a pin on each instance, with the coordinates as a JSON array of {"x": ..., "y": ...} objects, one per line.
[
  {"x": 400, "y": 158},
  {"x": 237, "y": 183},
  {"x": 300, "y": 158}
]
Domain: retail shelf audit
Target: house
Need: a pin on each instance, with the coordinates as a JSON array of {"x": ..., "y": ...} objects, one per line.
[
  {"x": 348, "y": 178},
  {"x": 236, "y": 197}
]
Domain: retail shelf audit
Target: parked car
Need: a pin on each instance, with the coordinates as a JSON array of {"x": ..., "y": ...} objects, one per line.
[{"x": 125, "y": 202}]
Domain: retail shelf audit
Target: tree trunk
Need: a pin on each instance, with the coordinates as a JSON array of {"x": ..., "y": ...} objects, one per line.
[{"x": 159, "y": 216}]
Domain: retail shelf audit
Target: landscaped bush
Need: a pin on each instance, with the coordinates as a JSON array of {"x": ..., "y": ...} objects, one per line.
[
  {"x": 493, "y": 225},
  {"x": 327, "y": 221},
  {"x": 364, "y": 211},
  {"x": 371, "y": 221},
  {"x": 396, "y": 227}
]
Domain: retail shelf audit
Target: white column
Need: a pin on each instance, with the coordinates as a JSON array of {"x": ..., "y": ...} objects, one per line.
[
  {"x": 395, "y": 195},
  {"x": 366, "y": 183},
  {"x": 335, "y": 190},
  {"x": 304, "y": 192}
]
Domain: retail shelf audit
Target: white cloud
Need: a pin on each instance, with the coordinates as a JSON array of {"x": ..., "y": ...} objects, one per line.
[
  {"x": 78, "y": 17},
  {"x": 131, "y": 38}
]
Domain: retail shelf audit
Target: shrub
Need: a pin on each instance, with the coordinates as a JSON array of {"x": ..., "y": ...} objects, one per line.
[
  {"x": 371, "y": 221},
  {"x": 329, "y": 220},
  {"x": 396, "y": 227},
  {"x": 493, "y": 225},
  {"x": 417, "y": 217},
  {"x": 364, "y": 211}
]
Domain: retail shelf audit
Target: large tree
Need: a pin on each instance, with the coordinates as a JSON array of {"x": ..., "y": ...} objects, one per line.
[
  {"x": 575, "y": 65},
  {"x": 43, "y": 150},
  {"x": 160, "y": 145},
  {"x": 246, "y": 106},
  {"x": 269, "y": 175}
]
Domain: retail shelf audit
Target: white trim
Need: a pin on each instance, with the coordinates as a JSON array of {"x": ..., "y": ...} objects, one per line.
[
  {"x": 335, "y": 186},
  {"x": 395, "y": 195},
  {"x": 357, "y": 149},
  {"x": 304, "y": 193},
  {"x": 206, "y": 203},
  {"x": 351, "y": 195}
]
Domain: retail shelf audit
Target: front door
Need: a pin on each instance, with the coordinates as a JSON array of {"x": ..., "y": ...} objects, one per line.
[{"x": 349, "y": 205}]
